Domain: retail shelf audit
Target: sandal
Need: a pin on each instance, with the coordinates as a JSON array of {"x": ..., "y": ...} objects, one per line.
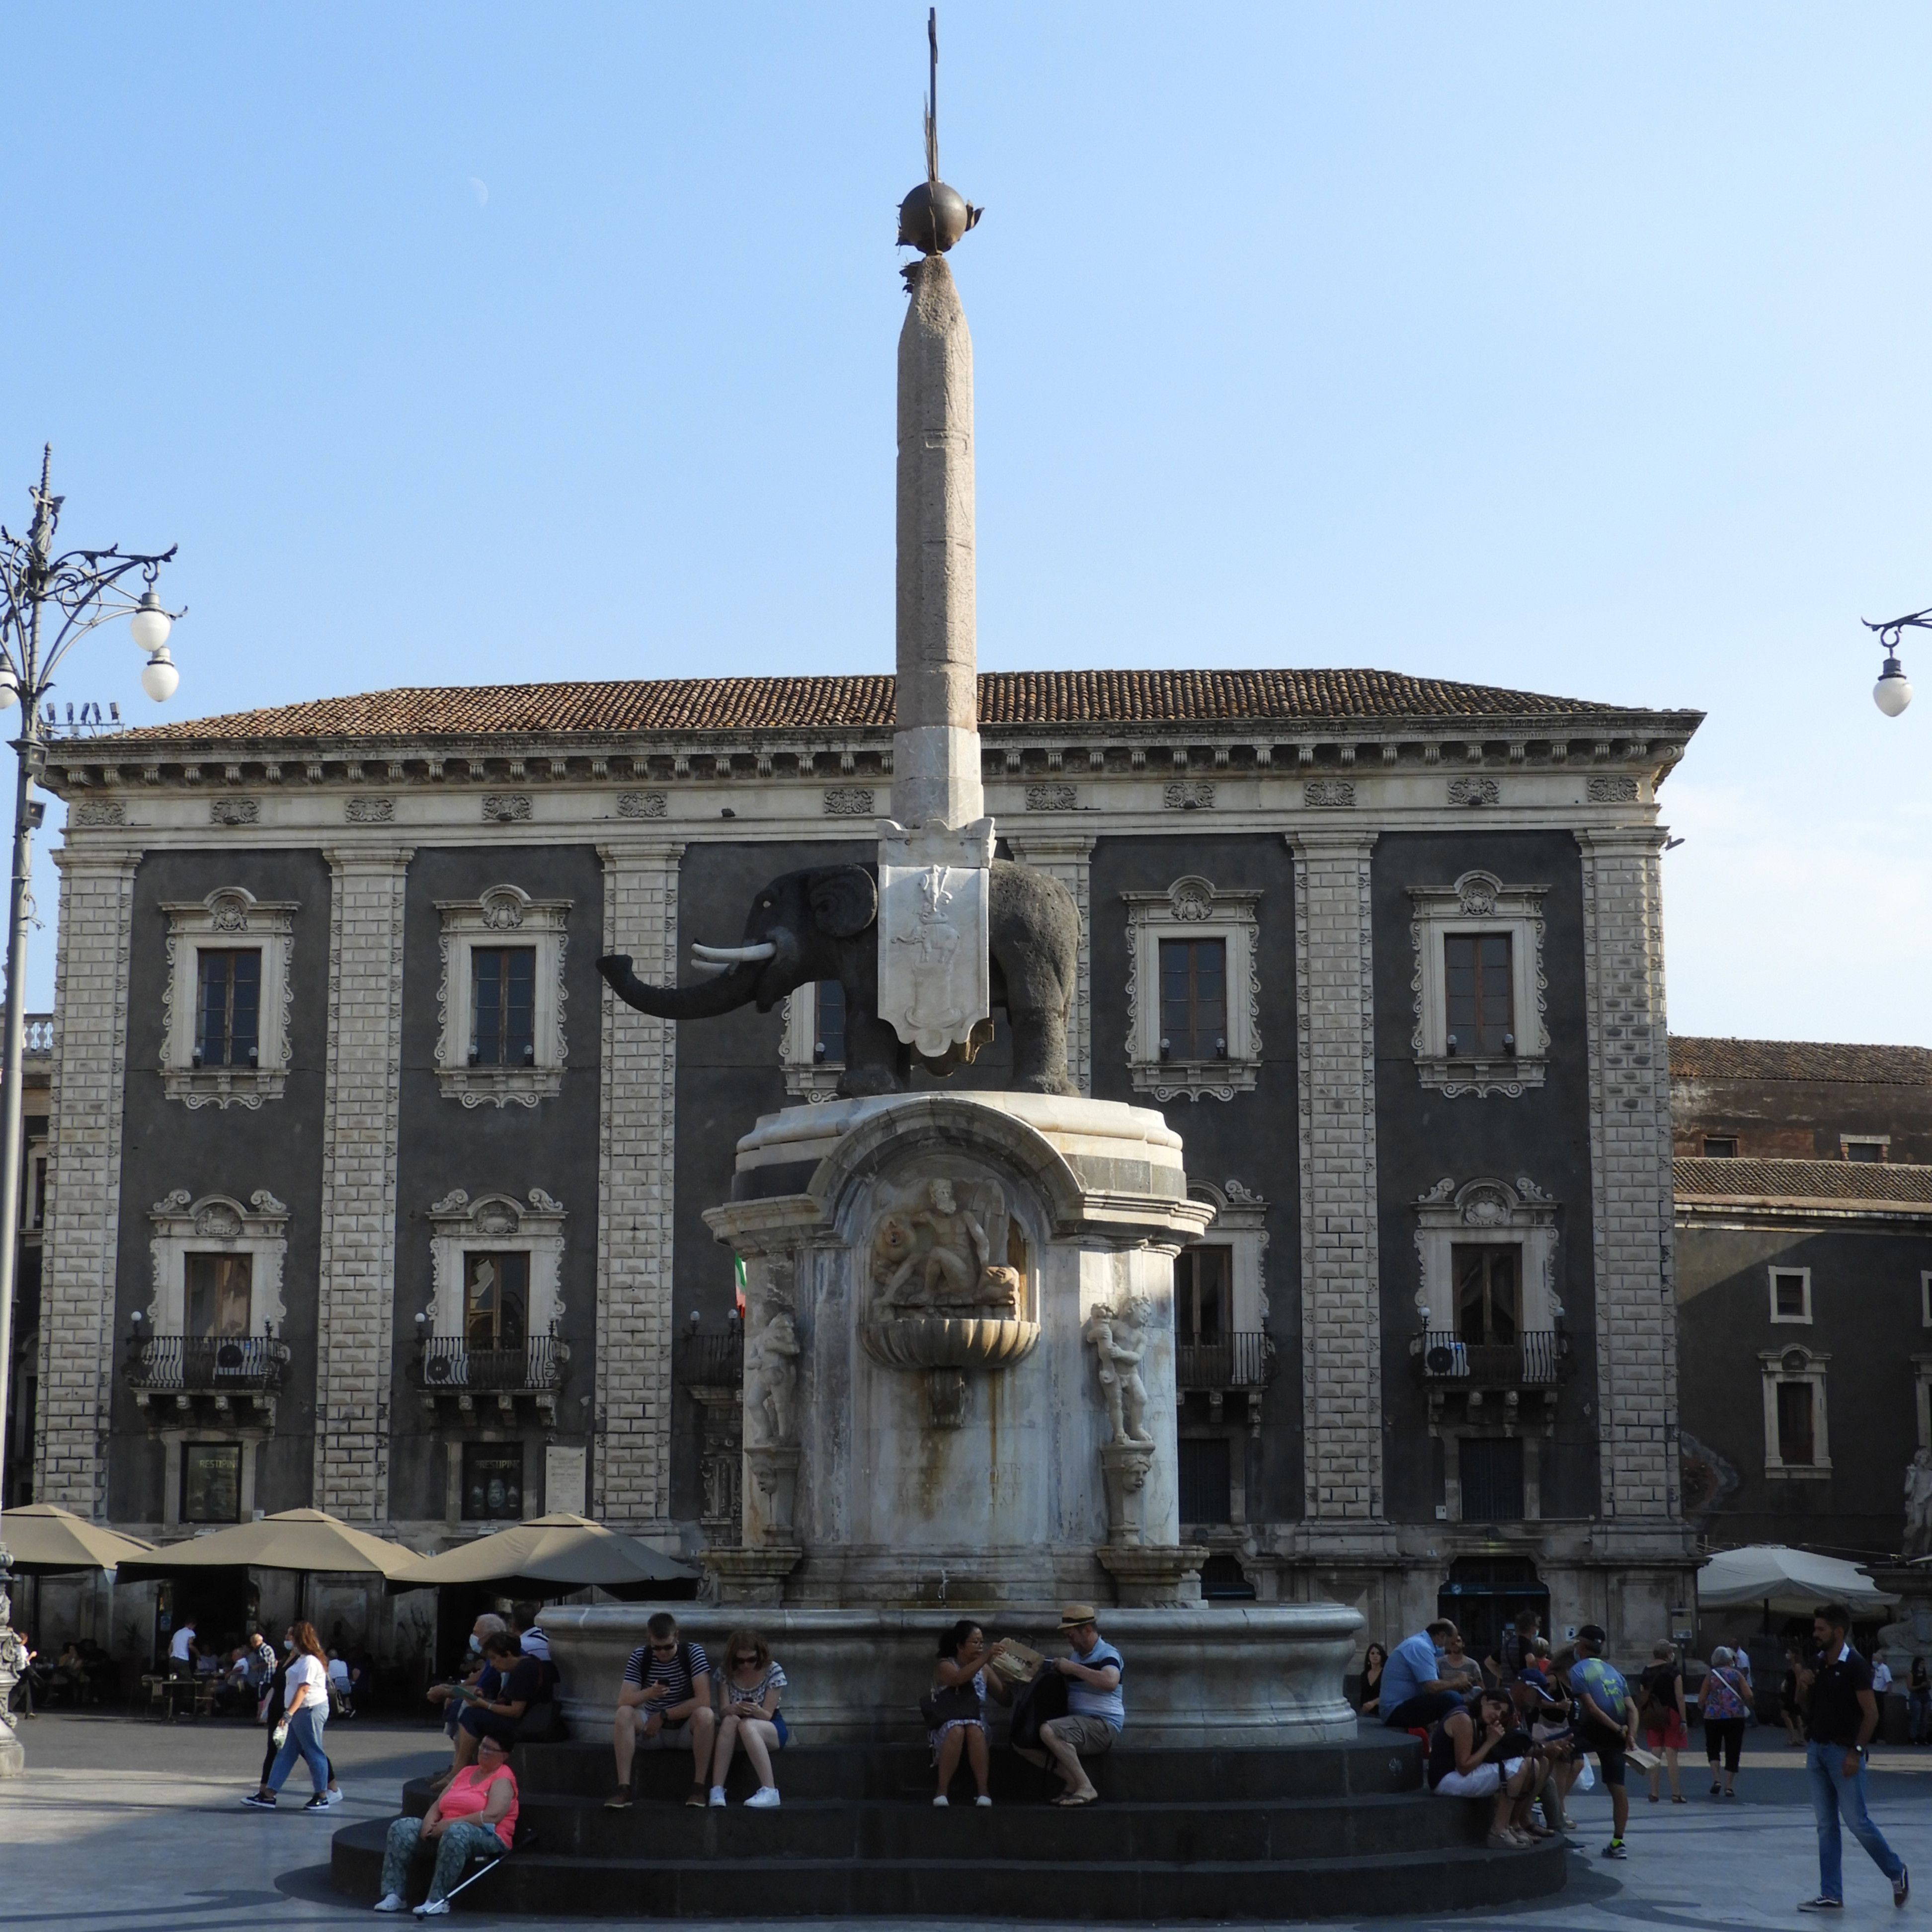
[
  {"x": 1715, "y": 1792},
  {"x": 1678, "y": 1798},
  {"x": 1072, "y": 1801}
]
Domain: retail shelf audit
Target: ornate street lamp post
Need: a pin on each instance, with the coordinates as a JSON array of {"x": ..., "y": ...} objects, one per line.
[
  {"x": 1893, "y": 692},
  {"x": 50, "y": 600}
]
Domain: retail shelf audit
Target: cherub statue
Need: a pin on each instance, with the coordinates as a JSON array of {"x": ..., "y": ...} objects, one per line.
[
  {"x": 1119, "y": 1341},
  {"x": 771, "y": 1380},
  {"x": 1919, "y": 1505}
]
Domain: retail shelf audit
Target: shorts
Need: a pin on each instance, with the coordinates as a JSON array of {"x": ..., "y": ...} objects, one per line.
[
  {"x": 1671, "y": 1737},
  {"x": 1609, "y": 1757},
  {"x": 1089, "y": 1736},
  {"x": 1485, "y": 1781},
  {"x": 776, "y": 1721},
  {"x": 666, "y": 1737}
]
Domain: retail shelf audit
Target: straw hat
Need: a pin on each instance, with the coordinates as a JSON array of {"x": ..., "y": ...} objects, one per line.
[{"x": 1073, "y": 1616}]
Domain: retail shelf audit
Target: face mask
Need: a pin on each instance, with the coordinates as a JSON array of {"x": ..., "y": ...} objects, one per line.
[{"x": 288, "y": 1643}]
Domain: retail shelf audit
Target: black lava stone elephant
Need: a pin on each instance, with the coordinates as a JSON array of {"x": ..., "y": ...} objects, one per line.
[{"x": 822, "y": 924}]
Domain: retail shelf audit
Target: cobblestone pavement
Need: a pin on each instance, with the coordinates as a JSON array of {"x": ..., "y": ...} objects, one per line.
[{"x": 119, "y": 1825}]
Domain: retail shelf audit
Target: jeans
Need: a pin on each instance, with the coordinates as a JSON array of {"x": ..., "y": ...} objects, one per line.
[
  {"x": 304, "y": 1742},
  {"x": 1921, "y": 1722},
  {"x": 1833, "y": 1794},
  {"x": 1419, "y": 1712},
  {"x": 452, "y": 1852}
]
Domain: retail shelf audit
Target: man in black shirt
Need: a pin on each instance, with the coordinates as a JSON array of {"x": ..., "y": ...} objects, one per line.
[{"x": 1834, "y": 1691}]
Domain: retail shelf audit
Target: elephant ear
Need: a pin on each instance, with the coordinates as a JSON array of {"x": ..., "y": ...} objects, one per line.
[{"x": 844, "y": 902}]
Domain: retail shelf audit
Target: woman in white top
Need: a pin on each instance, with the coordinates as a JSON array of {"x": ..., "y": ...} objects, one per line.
[
  {"x": 752, "y": 1682},
  {"x": 307, "y": 1707}
]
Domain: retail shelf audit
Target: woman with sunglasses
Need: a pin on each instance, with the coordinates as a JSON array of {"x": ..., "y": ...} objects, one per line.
[{"x": 752, "y": 1682}]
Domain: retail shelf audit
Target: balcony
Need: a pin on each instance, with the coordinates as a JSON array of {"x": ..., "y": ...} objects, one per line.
[
  {"x": 219, "y": 1371},
  {"x": 1530, "y": 1362},
  {"x": 38, "y": 1042},
  {"x": 451, "y": 1368},
  {"x": 1243, "y": 1360},
  {"x": 712, "y": 1361}
]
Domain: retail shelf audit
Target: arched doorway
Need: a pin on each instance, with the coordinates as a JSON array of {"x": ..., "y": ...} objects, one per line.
[{"x": 1483, "y": 1595}]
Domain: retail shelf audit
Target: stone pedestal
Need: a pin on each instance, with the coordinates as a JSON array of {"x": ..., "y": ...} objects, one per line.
[
  {"x": 756, "y": 1575},
  {"x": 959, "y": 1378}
]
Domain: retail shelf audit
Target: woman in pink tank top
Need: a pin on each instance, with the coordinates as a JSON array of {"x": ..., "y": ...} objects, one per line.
[{"x": 474, "y": 1813}]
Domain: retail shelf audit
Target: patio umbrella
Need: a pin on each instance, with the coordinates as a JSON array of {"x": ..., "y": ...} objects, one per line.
[
  {"x": 43, "y": 1540},
  {"x": 547, "y": 1555},
  {"x": 1793, "y": 1581},
  {"x": 309, "y": 1540}
]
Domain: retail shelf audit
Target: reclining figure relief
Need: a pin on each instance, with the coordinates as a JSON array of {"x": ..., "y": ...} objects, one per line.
[{"x": 932, "y": 1251}]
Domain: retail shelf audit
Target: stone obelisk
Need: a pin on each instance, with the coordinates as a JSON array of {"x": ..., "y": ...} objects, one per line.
[{"x": 936, "y": 850}]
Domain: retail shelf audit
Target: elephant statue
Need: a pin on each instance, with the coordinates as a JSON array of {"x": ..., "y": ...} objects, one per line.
[{"x": 822, "y": 924}]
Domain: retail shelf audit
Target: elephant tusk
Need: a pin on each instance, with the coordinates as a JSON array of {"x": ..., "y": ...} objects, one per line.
[
  {"x": 709, "y": 966},
  {"x": 730, "y": 956}
]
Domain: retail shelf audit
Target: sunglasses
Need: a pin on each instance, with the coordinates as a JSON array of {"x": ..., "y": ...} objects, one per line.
[
  {"x": 740, "y": 1662},
  {"x": 664, "y": 1649}
]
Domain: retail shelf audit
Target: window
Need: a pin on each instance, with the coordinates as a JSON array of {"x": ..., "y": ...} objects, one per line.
[
  {"x": 502, "y": 1005},
  {"x": 1925, "y": 1302},
  {"x": 1795, "y": 1444},
  {"x": 228, "y": 1009},
  {"x": 1223, "y": 1578},
  {"x": 1480, "y": 992},
  {"x": 829, "y": 1049},
  {"x": 1193, "y": 990},
  {"x": 501, "y": 998},
  {"x": 225, "y": 1027},
  {"x": 34, "y": 1199},
  {"x": 496, "y": 1296},
  {"x": 1720, "y": 1147},
  {"x": 1796, "y": 1438},
  {"x": 492, "y": 1482},
  {"x": 1203, "y": 1278},
  {"x": 1791, "y": 1294},
  {"x": 1206, "y": 1488},
  {"x": 211, "y": 1482},
  {"x": 1193, "y": 999},
  {"x": 1492, "y": 1476},
  {"x": 219, "y": 1294},
  {"x": 1488, "y": 1314},
  {"x": 1481, "y": 1001},
  {"x": 1865, "y": 1147}
]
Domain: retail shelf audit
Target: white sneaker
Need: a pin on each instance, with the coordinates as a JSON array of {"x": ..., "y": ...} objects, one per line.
[
  {"x": 941, "y": 1799},
  {"x": 394, "y": 1902},
  {"x": 717, "y": 1794},
  {"x": 333, "y": 1796},
  {"x": 982, "y": 1799},
  {"x": 433, "y": 1908},
  {"x": 765, "y": 1799}
]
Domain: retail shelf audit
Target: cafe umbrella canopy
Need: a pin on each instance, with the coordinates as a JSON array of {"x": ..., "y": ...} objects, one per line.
[
  {"x": 309, "y": 1541},
  {"x": 44, "y": 1540},
  {"x": 550, "y": 1555},
  {"x": 1793, "y": 1582}
]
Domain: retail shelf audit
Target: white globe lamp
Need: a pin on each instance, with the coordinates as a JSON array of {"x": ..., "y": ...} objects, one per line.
[
  {"x": 151, "y": 624},
  {"x": 10, "y": 688},
  {"x": 159, "y": 678},
  {"x": 1893, "y": 691}
]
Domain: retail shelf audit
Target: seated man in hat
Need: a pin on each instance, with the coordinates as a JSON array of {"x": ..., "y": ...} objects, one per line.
[{"x": 1095, "y": 1709}]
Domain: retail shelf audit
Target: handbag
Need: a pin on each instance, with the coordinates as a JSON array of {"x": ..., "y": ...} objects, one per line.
[
  {"x": 949, "y": 1703},
  {"x": 1037, "y": 1703}
]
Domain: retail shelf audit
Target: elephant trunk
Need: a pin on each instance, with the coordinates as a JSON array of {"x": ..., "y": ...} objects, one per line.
[{"x": 735, "y": 988}]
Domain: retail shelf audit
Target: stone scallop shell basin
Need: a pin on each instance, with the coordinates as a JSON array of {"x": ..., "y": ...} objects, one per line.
[{"x": 949, "y": 1342}]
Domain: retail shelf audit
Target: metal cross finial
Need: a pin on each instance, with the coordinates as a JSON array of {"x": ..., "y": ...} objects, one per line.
[{"x": 932, "y": 95}]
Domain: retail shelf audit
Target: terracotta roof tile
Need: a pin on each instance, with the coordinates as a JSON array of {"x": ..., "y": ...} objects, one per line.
[
  {"x": 1697, "y": 1059},
  {"x": 1070, "y": 698},
  {"x": 1875, "y": 1182}
]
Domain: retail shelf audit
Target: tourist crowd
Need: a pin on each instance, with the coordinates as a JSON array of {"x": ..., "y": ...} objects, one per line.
[{"x": 1518, "y": 1731}]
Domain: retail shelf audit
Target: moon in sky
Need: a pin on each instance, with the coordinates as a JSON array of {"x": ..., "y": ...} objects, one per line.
[{"x": 481, "y": 190}]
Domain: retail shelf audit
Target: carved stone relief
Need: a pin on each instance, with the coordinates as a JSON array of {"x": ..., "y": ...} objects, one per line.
[
  {"x": 1119, "y": 1340},
  {"x": 1474, "y": 791},
  {"x": 1329, "y": 794},
  {"x": 935, "y": 986},
  {"x": 849, "y": 802},
  {"x": 642, "y": 804}
]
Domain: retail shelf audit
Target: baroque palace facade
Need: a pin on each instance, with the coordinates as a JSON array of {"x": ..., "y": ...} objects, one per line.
[{"x": 363, "y": 1193}]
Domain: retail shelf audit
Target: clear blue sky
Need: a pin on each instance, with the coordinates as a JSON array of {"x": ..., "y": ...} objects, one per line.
[{"x": 1578, "y": 349}]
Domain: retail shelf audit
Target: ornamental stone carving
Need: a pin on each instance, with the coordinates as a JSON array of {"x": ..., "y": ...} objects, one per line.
[
  {"x": 1119, "y": 1340},
  {"x": 370, "y": 810},
  {"x": 935, "y": 986},
  {"x": 849, "y": 802},
  {"x": 1474, "y": 791},
  {"x": 1613, "y": 791},
  {"x": 234, "y": 811},
  {"x": 1052, "y": 798},
  {"x": 98, "y": 812},
  {"x": 1918, "y": 1506},
  {"x": 507, "y": 808},
  {"x": 1190, "y": 796},
  {"x": 1328, "y": 794},
  {"x": 642, "y": 804}
]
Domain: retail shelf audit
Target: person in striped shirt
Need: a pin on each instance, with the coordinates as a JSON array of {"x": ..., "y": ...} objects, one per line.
[{"x": 665, "y": 1702}]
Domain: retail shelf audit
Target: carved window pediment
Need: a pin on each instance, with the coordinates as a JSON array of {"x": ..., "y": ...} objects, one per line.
[
  {"x": 1192, "y": 909},
  {"x": 504, "y": 917},
  {"x": 230, "y": 921},
  {"x": 184, "y": 1225}
]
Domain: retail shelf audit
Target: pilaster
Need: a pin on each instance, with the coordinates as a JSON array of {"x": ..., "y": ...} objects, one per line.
[
  {"x": 355, "y": 1348},
  {"x": 1067, "y": 857},
  {"x": 1633, "y": 1225},
  {"x": 88, "y": 1105},
  {"x": 636, "y": 1195},
  {"x": 1341, "y": 1312}
]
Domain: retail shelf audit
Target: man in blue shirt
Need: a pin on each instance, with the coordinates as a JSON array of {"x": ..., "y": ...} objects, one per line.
[
  {"x": 1413, "y": 1696},
  {"x": 1606, "y": 1724},
  {"x": 1096, "y": 1709}
]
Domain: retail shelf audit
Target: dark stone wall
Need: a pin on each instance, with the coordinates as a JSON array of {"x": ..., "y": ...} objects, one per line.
[
  {"x": 233, "y": 1151},
  {"x": 1254, "y": 1137},
  {"x": 1867, "y": 1316},
  {"x": 1544, "y": 1134},
  {"x": 1800, "y": 1120},
  {"x": 488, "y": 1149}
]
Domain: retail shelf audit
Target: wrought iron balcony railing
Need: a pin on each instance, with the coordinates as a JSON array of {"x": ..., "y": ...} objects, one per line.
[
  {"x": 1244, "y": 1360},
  {"x": 1530, "y": 1361},
  {"x": 716, "y": 1361},
  {"x": 205, "y": 1364},
  {"x": 451, "y": 1362}
]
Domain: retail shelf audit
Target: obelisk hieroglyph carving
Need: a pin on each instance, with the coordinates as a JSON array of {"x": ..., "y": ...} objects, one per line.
[{"x": 936, "y": 849}]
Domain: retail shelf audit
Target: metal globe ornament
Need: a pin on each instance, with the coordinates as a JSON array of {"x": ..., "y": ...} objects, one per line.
[{"x": 933, "y": 217}]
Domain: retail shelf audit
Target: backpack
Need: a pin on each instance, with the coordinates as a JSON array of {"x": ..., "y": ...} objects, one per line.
[{"x": 1035, "y": 1704}]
